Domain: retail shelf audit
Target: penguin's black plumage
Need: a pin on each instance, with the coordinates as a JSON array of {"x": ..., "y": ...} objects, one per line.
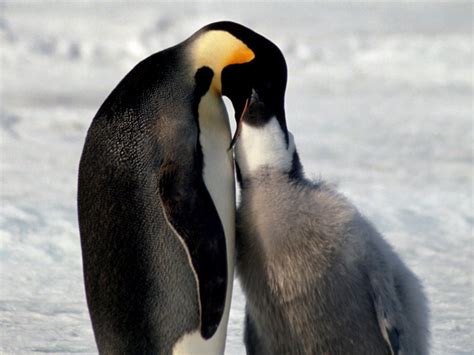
[{"x": 156, "y": 195}]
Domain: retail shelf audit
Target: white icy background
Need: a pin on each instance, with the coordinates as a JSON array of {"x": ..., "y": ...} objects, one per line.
[{"x": 379, "y": 100}]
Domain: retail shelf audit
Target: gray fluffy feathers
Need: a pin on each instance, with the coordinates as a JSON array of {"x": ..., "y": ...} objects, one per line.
[{"x": 318, "y": 277}]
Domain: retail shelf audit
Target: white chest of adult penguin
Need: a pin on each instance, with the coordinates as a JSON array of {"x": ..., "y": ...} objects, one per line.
[
  {"x": 156, "y": 197},
  {"x": 318, "y": 277}
]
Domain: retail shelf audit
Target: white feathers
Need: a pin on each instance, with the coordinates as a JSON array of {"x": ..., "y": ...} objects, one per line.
[
  {"x": 194, "y": 344},
  {"x": 264, "y": 146},
  {"x": 215, "y": 139}
]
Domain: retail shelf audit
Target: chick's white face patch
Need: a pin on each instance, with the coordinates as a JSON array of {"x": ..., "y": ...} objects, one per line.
[{"x": 264, "y": 146}]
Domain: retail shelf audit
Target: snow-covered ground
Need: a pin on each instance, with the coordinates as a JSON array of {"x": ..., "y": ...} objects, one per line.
[{"x": 379, "y": 100}]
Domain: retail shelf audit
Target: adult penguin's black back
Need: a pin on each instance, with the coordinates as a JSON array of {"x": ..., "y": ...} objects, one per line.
[{"x": 156, "y": 196}]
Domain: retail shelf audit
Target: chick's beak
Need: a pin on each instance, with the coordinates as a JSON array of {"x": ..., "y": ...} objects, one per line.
[{"x": 235, "y": 138}]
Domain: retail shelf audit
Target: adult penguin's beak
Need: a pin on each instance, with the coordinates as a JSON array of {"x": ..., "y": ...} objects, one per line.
[
  {"x": 235, "y": 138},
  {"x": 250, "y": 102}
]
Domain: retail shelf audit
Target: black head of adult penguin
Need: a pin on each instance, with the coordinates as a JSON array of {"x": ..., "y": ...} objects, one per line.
[
  {"x": 266, "y": 73},
  {"x": 156, "y": 198},
  {"x": 263, "y": 69}
]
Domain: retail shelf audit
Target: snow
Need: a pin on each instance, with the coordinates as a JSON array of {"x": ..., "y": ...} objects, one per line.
[{"x": 380, "y": 101}]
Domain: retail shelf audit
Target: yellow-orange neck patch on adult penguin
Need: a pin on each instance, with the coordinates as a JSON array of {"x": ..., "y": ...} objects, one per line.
[{"x": 216, "y": 50}]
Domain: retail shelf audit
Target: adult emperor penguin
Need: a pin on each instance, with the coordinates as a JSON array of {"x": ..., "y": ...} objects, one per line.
[
  {"x": 156, "y": 196},
  {"x": 318, "y": 277}
]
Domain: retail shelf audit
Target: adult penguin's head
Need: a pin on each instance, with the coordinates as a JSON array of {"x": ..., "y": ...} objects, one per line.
[{"x": 242, "y": 61}]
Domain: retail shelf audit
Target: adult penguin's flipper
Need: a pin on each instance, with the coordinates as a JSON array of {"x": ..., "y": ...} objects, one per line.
[{"x": 195, "y": 220}]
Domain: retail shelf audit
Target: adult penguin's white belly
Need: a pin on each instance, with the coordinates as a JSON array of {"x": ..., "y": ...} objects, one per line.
[{"x": 218, "y": 173}]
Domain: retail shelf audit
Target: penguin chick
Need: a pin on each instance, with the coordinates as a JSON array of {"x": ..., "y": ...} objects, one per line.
[{"x": 317, "y": 276}]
